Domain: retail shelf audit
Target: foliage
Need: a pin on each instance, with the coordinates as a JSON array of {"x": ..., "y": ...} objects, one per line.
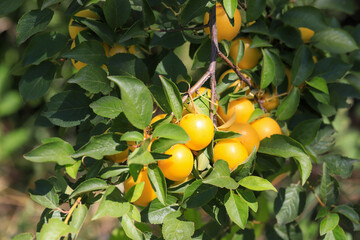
[{"x": 111, "y": 100}]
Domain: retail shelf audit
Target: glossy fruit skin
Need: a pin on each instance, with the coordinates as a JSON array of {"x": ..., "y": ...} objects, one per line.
[
  {"x": 242, "y": 107},
  {"x": 249, "y": 137},
  {"x": 148, "y": 193},
  {"x": 119, "y": 157},
  {"x": 270, "y": 102},
  {"x": 74, "y": 30},
  {"x": 230, "y": 150},
  {"x": 179, "y": 165},
  {"x": 251, "y": 55},
  {"x": 200, "y": 129},
  {"x": 224, "y": 28},
  {"x": 306, "y": 34},
  {"x": 266, "y": 127}
]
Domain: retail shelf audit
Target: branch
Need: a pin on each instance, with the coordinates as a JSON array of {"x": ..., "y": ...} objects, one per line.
[{"x": 212, "y": 66}]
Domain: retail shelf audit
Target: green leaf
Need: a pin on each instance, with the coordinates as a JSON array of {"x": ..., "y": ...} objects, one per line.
[
  {"x": 78, "y": 217},
  {"x": 102, "y": 145},
  {"x": 256, "y": 183},
  {"x": 107, "y": 106},
  {"x": 112, "y": 204},
  {"x": 254, "y": 9},
  {"x": 158, "y": 182},
  {"x": 8, "y": 6},
  {"x": 306, "y": 137},
  {"x": 148, "y": 14},
  {"x": 334, "y": 40},
  {"x": 171, "y": 131},
  {"x": 173, "y": 96},
  {"x": 135, "y": 192},
  {"x": 31, "y": 23},
  {"x": 167, "y": 39},
  {"x": 289, "y": 105},
  {"x": 162, "y": 144},
  {"x": 127, "y": 64},
  {"x": 257, "y": 113},
  {"x": 43, "y": 46},
  {"x": 141, "y": 156},
  {"x": 160, "y": 98},
  {"x": 130, "y": 229},
  {"x": 246, "y": 168},
  {"x": 90, "y": 52},
  {"x": 68, "y": 109},
  {"x": 230, "y": 7},
  {"x": 348, "y": 212},
  {"x": 331, "y": 69},
  {"x": 286, "y": 147},
  {"x": 319, "y": 84},
  {"x": 93, "y": 79},
  {"x": 73, "y": 169},
  {"x": 289, "y": 204},
  {"x": 171, "y": 66},
  {"x": 268, "y": 69},
  {"x": 198, "y": 194},
  {"x": 54, "y": 229},
  {"x": 37, "y": 80},
  {"x": 250, "y": 199},
  {"x": 305, "y": 16},
  {"x": 24, "y": 236},
  {"x": 289, "y": 35},
  {"x": 48, "y": 3},
  {"x": 329, "y": 223},
  {"x": 135, "y": 31},
  {"x": 329, "y": 188},
  {"x": 89, "y": 185},
  {"x": 336, "y": 234},
  {"x": 324, "y": 140},
  {"x": 240, "y": 53},
  {"x": 220, "y": 176},
  {"x": 322, "y": 213},
  {"x": 155, "y": 212},
  {"x": 116, "y": 12},
  {"x": 113, "y": 171},
  {"x": 346, "y": 6},
  {"x": 58, "y": 151},
  {"x": 132, "y": 136},
  {"x": 302, "y": 66},
  {"x": 44, "y": 194},
  {"x": 339, "y": 165},
  {"x": 259, "y": 42},
  {"x": 136, "y": 100},
  {"x": 237, "y": 209},
  {"x": 176, "y": 229},
  {"x": 192, "y": 9},
  {"x": 99, "y": 28},
  {"x": 219, "y": 135},
  {"x": 259, "y": 27}
]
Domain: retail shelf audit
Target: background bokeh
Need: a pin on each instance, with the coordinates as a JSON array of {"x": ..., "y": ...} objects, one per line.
[{"x": 19, "y": 134}]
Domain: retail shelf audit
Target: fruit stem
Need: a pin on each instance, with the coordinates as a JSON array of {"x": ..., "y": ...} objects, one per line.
[
  {"x": 77, "y": 202},
  {"x": 316, "y": 196}
]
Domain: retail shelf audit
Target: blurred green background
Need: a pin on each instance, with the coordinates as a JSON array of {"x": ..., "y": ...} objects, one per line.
[{"x": 18, "y": 134}]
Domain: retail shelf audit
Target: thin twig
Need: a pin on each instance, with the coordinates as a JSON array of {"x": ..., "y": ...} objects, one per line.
[
  {"x": 316, "y": 196},
  {"x": 197, "y": 85},
  {"x": 77, "y": 202}
]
